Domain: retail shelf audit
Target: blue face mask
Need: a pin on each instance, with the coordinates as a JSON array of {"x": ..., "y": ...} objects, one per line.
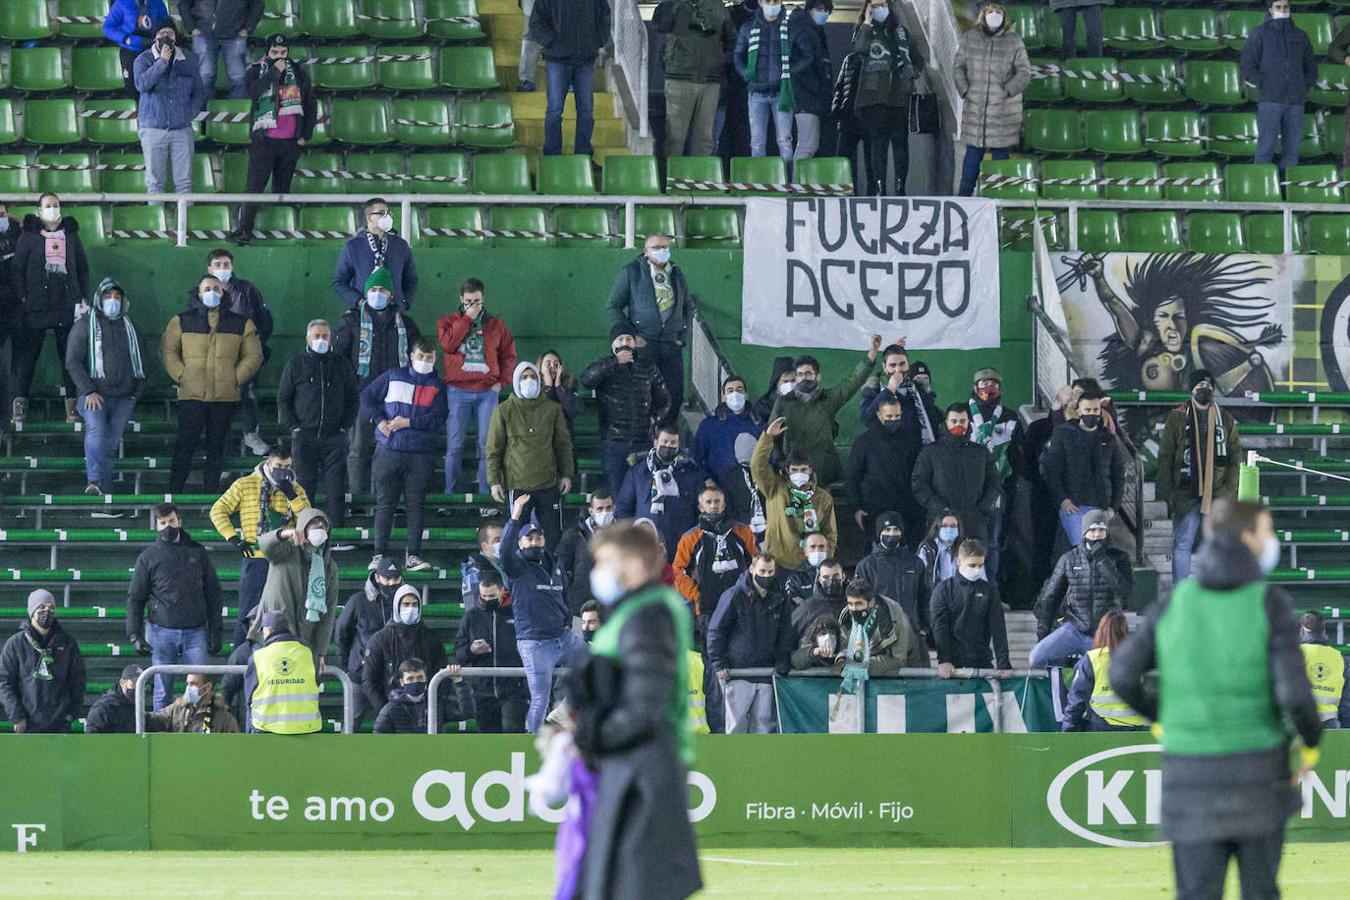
[
  {"x": 820, "y": 17},
  {"x": 377, "y": 300},
  {"x": 415, "y": 688},
  {"x": 112, "y": 308},
  {"x": 210, "y": 299},
  {"x": 193, "y": 694},
  {"x": 880, "y": 14},
  {"x": 946, "y": 535},
  {"x": 1270, "y": 554},
  {"x": 605, "y": 586}
]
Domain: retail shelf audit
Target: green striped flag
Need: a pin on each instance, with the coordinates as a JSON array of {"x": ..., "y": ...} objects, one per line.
[{"x": 896, "y": 706}]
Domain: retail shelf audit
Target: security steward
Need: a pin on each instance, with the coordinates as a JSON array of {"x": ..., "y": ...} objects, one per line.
[
  {"x": 1327, "y": 671},
  {"x": 286, "y": 697}
]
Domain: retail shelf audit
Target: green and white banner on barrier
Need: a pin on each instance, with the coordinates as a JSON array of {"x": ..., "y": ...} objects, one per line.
[{"x": 899, "y": 706}]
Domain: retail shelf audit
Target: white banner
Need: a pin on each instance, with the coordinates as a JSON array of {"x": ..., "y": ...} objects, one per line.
[{"x": 829, "y": 272}]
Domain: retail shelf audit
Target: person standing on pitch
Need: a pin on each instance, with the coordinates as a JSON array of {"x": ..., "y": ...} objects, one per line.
[{"x": 1222, "y": 705}]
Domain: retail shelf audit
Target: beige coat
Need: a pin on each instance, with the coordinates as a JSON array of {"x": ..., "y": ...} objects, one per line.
[{"x": 991, "y": 72}]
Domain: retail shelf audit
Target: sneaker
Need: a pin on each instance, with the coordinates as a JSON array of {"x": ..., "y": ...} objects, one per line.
[
  {"x": 488, "y": 512},
  {"x": 374, "y": 561},
  {"x": 20, "y": 409},
  {"x": 72, "y": 414},
  {"x": 414, "y": 564},
  {"x": 254, "y": 442},
  {"x": 241, "y": 238},
  {"x": 525, "y": 87},
  {"x": 93, "y": 490},
  {"x": 342, "y": 548}
]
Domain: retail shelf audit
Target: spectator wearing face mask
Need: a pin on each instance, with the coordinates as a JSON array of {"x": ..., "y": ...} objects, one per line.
[
  {"x": 664, "y": 487},
  {"x": 574, "y": 552},
  {"x": 571, "y": 35},
  {"x": 406, "y": 711},
  {"x": 763, "y": 59},
  {"x": 115, "y": 711},
  {"x": 282, "y": 679},
  {"x": 751, "y": 628},
  {"x": 820, "y": 641},
  {"x": 897, "y": 574},
  {"x": 801, "y": 582},
  {"x": 632, "y": 397},
  {"x": 242, "y": 297},
  {"x": 376, "y": 246},
  {"x": 891, "y": 63},
  {"x": 711, "y": 556},
  {"x": 175, "y": 578},
  {"x": 968, "y": 618},
  {"x": 263, "y": 500},
  {"x": 909, "y": 387},
  {"x": 10, "y": 229},
  {"x": 374, "y": 337},
  {"x": 209, "y": 352},
  {"x": 650, "y": 295},
  {"x": 811, "y": 412},
  {"x": 302, "y": 581},
  {"x": 957, "y": 474},
  {"x": 1084, "y": 468},
  {"x": 1278, "y": 60},
  {"x": 714, "y": 447},
  {"x": 1092, "y": 703},
  {"x": 560, "y": 386},
  {"x": 1043, "y": 508},
  {"x": 1089, "y": 580},
  {"x": 405, "y": 636},
  {"x": 41, "y": 671},
  {"x": 487, "y": 637},
  {"x": 488, "y": 558},
  {"x": 590, "y": 619},
  {"x": 129, "y": 24},
  {"x": 318, "y": 399},
  {"x": 781, "y": 381},
  {"x": 938, "y": 552},
  {"x": 48, "y": 281},
  {"x": 744, "y": 498},
  {"x": 991, "y": 71},
  {"x": 874, "y": 627},
  {"x": 1068, "y": 11},
  {"x": 825, "y": 600},
  {"x": 998, "y": 429},
  {"x": 198, "y": 710},
  {"x": 812, "y": 74},
  {"x": 103, "y": 358},
  {"x": 880, "y": 470},
  {"x": 529, "y": 449},
  {"x": 363, "y": 615},
  {"x": 794, "y": 503},
  {"x": 235, "y": 690},
  {"x": 171, "y": 94}
]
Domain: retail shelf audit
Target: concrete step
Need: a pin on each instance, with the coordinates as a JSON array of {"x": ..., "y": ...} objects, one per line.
[{"x": 1154, "y": 510}]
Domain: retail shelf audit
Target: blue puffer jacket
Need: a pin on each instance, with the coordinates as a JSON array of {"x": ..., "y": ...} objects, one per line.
[
  {"x": 537, "y": 590},
  {"x": 769, "y": 69},
  {"x": 172, "y": 93},
  {"x": 122, "y": 24},
  {"x": 1278, "y": 58},
  {"x": 404, "y": 392}
]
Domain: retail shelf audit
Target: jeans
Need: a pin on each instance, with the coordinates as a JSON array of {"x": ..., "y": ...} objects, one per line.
[
  {"x": 614, "y": 462},
  {"x": 1283, "y": 121},
  {"x": 200, "y": 422},
  {"x": 323, "y": 458},
  {"x": 1092, "y": 21},
  {"x": 886, "y": 128},
  {"x": 1184, "y": 532},
  {"x": 398, "y": 474},
  {"x": 1059, "y": 646},
  {"x": 669, "y": 359},
  {"x": 267, "y": 159},
  {"x": 252, "y": 580},
  {"x": 529, "y": 50},
  {"x": 171, "y": 647},
  {"x": 28, "y": 349},
  {"x": 581, "y": 81},
  {"x": 760, "y": 107},
  {"x": 540, "y": 658},
  {"x": 460, "y": 406},
  {"x": 749, "y": 707},
  {"x": 206, "y": 46},
  {"x": 103, "y": 429},
  {"x": 1072, "y": 523},
  {"x": 808, "y": 135},
  {"x": 995, "y": 538},
  {"x": 1201, "y": 867},
  {"x": 691, "y": 112},
  {"x": 162, "y": 147},
  {"x": 970, "y": 166}
]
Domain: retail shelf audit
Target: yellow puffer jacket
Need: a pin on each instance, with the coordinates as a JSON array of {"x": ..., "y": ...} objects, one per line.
[
  {"x": 244, "y": 499},
  {"x": 209, "y": 353}
]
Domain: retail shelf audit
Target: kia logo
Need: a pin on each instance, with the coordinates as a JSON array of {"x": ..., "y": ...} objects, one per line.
[{"x": 1104, "y": 787}]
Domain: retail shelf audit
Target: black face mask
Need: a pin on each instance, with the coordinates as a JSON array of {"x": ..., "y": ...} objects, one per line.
[
  {"x": 764, "y": 582},
  {"x": 45, "y": 619},
  {"x": 1092, "y": 546},
  {"x": 891, "y": 427},
  {"x": 712, "y": 522},
  {"x": 832, "y": 587},
  {"x": 492, "y": 604},
  {"x": 388, "y": 590},
  {"x": 667, "y": 454},
  {"x": 890, "y": 541},
  {"x": 1203, "y": 395},
  {"x": 1091, "y": 422},
  {"x": 806, "y": 388},
  {"x": 588, "y": 636},
  {"x": 169, "y": 534},
  {"x": 860, "y": 615},
  {"x": 532, "y": 554}
]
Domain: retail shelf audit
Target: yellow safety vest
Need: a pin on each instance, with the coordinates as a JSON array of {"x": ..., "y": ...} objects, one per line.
[
  {"x": 286, "y": 700},
  {"x": 1104, "y": 702},
  {"x": 1326, "y": 672},
  {"x": 698, "y": 713}
]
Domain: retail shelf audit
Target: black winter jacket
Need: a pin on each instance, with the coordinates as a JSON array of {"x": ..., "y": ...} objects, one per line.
[
  {"x": 260, "y": 79},
  {"x": 318, "y": 394},
  {"x": 384, "y": 341},
  {"x": 575, "y": 562},
  {"x": 9, "y": 238},
  {"x": 113, "y": 713},
  {"x": 960, "y": 475},
  {"x": 1086, "y": 467},
  {"x": 119, "y": 379},
  {"x": 631, "y": 396},
  {"x": 570, "y": 31},
  {"x": 237, "y": 689},
  {"x": 498, "y": 628},
  {"x": 363, "y": 615},
  {"x": 879, "y": 472},
  {"x": 47, "y": 299},
  {"x": 222, "y": 18},
  {"x": 967, "y": 616},
  {"x": 402, "y": 715},
  {"x": 179, "y": 583},
  {"x": 899, "y": 575},
  {"x": 48, "y": 706},
  {"x": 1085, "y": 584},
  {"x": 748, "y": 631},
  {"x": 393, "y": 644},
  {"x": 810, "y": 62},
  {"x": 815, "y": 607},
  {"x": 242, "y": 298}
]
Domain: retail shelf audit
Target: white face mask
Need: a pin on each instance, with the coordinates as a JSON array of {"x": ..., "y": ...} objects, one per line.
[
  {"x": 736, "y": 401},
  {"x": 660, "y": 255},
  {"x": 605, "y": 586},
  {"x": 604, "y": 519},
  {"x": 994, "y": 20},
  {"x": 529, "y": 388},
  {"x": 210, "y": 299},
  {"x": 799, "y": 479},
  {"x": 385, "y": 222},
  {"x": 112, "y": 308},
  {"x": 410, "y": 615},
  {"x": 51, "y": 214},
  {"x": 786, "y": 388},
  {"x": 317, "y": 537},
  {"x": 771, "y": 10},
  {"x": 193, "y": 694},
  {"x": 4, "y": 224},
  {"x": 319, "y": 345},
  {"x": 1270, "y": 554},
  {"x": 422, "y": 366},
  {"x": 222, "y": 274},
  {"x": 497, "y": 549},
  {"x": 973, "y": 573},
  {"x": 1280, "y": 15},
  {"x": 815, "y": 557}
]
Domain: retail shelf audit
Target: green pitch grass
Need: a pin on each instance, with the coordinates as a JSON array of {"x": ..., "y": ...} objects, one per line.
[{"x": 1309, "y": 870}]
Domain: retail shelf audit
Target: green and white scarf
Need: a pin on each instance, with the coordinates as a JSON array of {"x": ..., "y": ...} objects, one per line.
[
  {"x": 366, "y": 344},
  {"x": 46, "y": 659},
  {"x": 857, "y": 654},
  {"x": 316, "y": 591},
  {"x": 800, "y": 506},
  {"x": 96, "y": 347},
  {"x": 474, "y": 347},
  {"x": 284, "y": 101},
  {"x": 787, "y": 102},
  {"x": 993, "y": 434}
]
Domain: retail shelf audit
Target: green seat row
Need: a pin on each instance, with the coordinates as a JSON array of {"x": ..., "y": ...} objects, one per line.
[
  {"x": 1208, "y": 82},
  {"x": 226, "y": 574},
  {"x": 438, "y": 610},
  {"x": 1181, "y": 133},
  {"x": 1280, "y": 398},
  {"x": 144, "y": 501},
  {"x": 1144, "y": 29},
  {"x": 1074, "y": 179}
]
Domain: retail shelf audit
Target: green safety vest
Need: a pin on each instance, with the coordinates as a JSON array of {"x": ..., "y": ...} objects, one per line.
[
  {"x": 1326, "y": 672},
  {"x": 698, "y": 704},
  {"x": 1104, "y": 702},
  {"x": 1214, "y": 689},
  {"x": 286, "y": 700},
  {"x": 606, "y": 644}
]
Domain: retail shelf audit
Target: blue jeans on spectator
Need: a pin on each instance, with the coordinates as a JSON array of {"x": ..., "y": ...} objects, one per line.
[
  {"x": 206, "y": 46},
  {"x": 1184, "y": 533},
  {"x": 614, "y": 463},
  {"x": 1283, "y": 121},
  {"x": 581, "y": 81},
  {"x": 760, "y": 107},
  {"x": 970, "y": 166},
  {"x": 171, "y": 647},
  {"x": 994, "y": 546},
  {"x": 540, "y": 658},
  {"x": 461, "y": 405},
  {"x": 103, "y": 429},
  {"x": 1059, "y": 646},
  {"x": 1072, "y": 523}
]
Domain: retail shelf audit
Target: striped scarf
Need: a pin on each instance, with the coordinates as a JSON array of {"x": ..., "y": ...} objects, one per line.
[
  {"x": 316, "y": 591},
  {"x": 96, "y": 347},
  {"x": 787, "y": 102},
  {"x": 366, "y": 343},
  {"x": 857, "y": 654},
  {"x": 284, "y": 101}
]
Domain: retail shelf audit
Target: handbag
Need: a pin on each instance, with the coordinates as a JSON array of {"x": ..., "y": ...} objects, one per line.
[
  {"x": 846, "y": 85},
  {"x": 924, "y": 115}
]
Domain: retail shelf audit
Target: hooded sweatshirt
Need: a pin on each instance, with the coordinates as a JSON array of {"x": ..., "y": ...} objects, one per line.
[
  {"x": 528, "y": 445},
  {"x": 398, "y": 641},
  {"x": 111, "y": 360}
]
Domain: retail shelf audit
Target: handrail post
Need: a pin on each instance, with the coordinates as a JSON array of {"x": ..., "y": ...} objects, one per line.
[
  {"x": 348, "y": 701},
  {"x": 433, "y": 704},
  {"x": 997, "y": 690},
  {"x": 630, "y": 224},
  {"x": 182, "y": 205},
  {"x": 150, "y": 671}
]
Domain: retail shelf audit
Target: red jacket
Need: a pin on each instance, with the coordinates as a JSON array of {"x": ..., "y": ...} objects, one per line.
[{"x": 499, "y": 351}]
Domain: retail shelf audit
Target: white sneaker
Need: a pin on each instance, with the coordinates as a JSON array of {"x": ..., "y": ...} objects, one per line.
[
  {"x": 374, "y": 561},
  {"x": 254, "y": 442},
  {"x": 415, "y": 564}
]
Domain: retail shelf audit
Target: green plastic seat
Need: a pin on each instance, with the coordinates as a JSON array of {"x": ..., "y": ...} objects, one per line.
[
  {"x": 1151, "y": 232},
  {"x": 1310, "y": 193},
  {"x": 1212, "y": 82},
  {"x": 238, "y": 133},
  {"x": 1167, "y": 87},
  {"x": 1251, "y": 183},
  {"x": 1044, "y": 88},
  {"x": 440, "y": 13},
  {"x": 14, "y": 169},
  {"x": 630, "y": 176},
  {"x": 1022, "y": 168},
  {"x": 1238, "y": 24},
  {"x": 204, "y": 179},
  {"x": 423, "y": 123},
  {"x": 1094, "y": 90},
  {"x": 1131, "y": 29},
  {"x": 38, "y": 69},
  {"x": 565, "y": 175},
  {"x": 822, "y": 170},
  {"x": 344, "y": 76},
  {"x": 209, "y": 221},
  {"x": 1053, "y": 131},
  {"x": 650, "y": 220},
  {"x": 121, "y": 173},
  {"x": 65, "y": 181},
  {"x": 25, "y": 21},
  {"x": 578, "y": 220},
  {"x": 487, "y": 124},
  {"x": 1193, "y": 193},
  {"x": 1054, "y": 32},
  {"x": 711, "y": 228},
  {"x": 463, "y": 218},
  {"x": 92, "y": 233},
  {"x": 1320, "y": 30},
  {"x": 1217, "y": 232},
  {"x": 1332, "y": 74},
  {"x": 1114, "y": 132},
  {"x": 362, "y": 121},
  {"x": 1026, "y": 21},
  {"x": 407, "y": 75},
  {"x": 110, "y": 132},
  {"x": 501, "y": 173},
  {"x": 1265, "y": 234},
  {"x": 1072, "y": 170},
  {"x": 1334, "y": 132},
  {"x": 469, "y": 68},
  {"x": 329, "y": 19},
  {"x": 51, "y": 122},
  {"x": 1173, "y": 133},
  {"x": 323, "y": 134},
  {"x": 1099, "y": 230},
  {"x": 1016, "y": 230},
  {"x": 274, "y": 219},
  {"x": 280, "y": 17},
  {"x": 97, "y": 69},
  {"x": 1238, "y": 129},
  {"x": 1314, "y": 143},
  {"x": 439, "y": 166},
  {"x": 389, "y": 19},
  {"x": 9, "y": 127},
  {"x": 318, "y": 184},
  {"x": 693, "y": 168},
  {"x": 518, "y": 218},
  {"x": 1191, "y": 30},
  {"x": 758, "y": 170},
  {"x": 1131, "y": 169},
  {"x": 1327, "y": 234},
  {"x": 384, "y": 163},
  {"x": 127, "y": 219},
  {"x": 332, "y": 222}
]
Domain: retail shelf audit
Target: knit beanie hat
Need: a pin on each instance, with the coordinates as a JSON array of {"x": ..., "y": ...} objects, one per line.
[
  {"x": 1094, "y": 519},
  {"x": 39, "y": 597},
  {"x": 1200, "y": 375},
  {"x": 166, "y": 23},
  {"x": 990, "y": 373},
  {"x": 380, "y": 278},
  {"x": 621, "y": 328}
]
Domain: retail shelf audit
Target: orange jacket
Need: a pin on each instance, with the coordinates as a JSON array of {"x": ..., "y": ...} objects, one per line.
[{"x": 684, "y": 560}]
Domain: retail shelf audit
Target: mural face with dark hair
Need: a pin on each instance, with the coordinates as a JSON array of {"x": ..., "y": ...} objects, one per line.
[{"x": 1335, "y": 337}]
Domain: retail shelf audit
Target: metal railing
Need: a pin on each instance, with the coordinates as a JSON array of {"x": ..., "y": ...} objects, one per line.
[
  {"x": 708, "y": 365},
  {"x": 348, "y": 712},
  {"x": 936, "y": 21},
  {"x": 631, "y": 64}
]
